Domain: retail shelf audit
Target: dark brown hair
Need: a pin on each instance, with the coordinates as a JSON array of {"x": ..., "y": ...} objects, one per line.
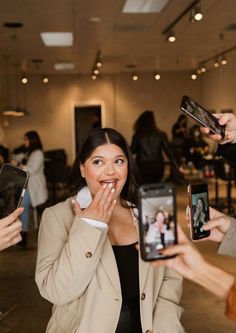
[{"x": 96, "y": 138}]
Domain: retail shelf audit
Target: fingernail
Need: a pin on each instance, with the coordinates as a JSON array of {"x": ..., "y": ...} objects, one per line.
[
  {"x": 104, "y": 185},
  {"x": 73, "y": 201},
  {"x": 110, "y": 185},
  {"x": 113, "y": 190}
]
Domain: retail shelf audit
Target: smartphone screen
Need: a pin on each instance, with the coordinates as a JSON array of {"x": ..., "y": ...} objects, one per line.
[
  {"x": 13, "y": 182},
  {"x": 199, "y": 210},
  {"x": 202, "y": 116},
  {"x": 157, "y": 219}
]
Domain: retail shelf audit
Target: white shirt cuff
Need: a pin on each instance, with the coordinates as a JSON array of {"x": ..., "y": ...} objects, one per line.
[{"x": 95, "y": 223}]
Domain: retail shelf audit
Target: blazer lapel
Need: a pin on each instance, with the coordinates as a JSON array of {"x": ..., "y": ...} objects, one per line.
[{"x": 109, "y": 263}]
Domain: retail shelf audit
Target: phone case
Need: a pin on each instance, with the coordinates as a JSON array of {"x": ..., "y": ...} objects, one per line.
[
  {"x": 199, "y": 210},
  {"x": 157, "y": 219},
  {"x": 202, "y": 116},
  {"x": 13, "y": 182}
]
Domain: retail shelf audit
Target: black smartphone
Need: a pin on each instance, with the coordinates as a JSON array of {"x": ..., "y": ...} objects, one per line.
[
  {"x": 202, "y": 116},
  {"x": 13, "y": 181},
  {"x": 157, "y": 219},
  {"x": 199, "y": 210}
]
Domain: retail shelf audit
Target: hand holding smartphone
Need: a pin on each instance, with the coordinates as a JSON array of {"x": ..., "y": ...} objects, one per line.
[
  {"x": 157, "y": 220},
  {"x": 202, "y": 116},
  {"x": 13, "y": 181},
  {"x": 199, "y": 210}
]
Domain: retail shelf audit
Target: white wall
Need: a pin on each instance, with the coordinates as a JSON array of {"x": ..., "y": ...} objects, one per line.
[{"x": 51, "y": 106}]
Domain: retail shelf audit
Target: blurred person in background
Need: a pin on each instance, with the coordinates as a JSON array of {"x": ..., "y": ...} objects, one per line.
[
  {"x": 4, "y": 155},
  {"x": 148, "y": 144},
  {"x": 36, "y": 193}
]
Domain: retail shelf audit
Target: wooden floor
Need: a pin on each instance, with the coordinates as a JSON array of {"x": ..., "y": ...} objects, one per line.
[{"x": 204, "y": 313}]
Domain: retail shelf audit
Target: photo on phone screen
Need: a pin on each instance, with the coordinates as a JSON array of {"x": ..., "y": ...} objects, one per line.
[
  {"x": 13, "y": 181},
  {"x": 202, "y": 116},
  {"x": 157, "y": 219},
  {"x": 199, "y": 210}
]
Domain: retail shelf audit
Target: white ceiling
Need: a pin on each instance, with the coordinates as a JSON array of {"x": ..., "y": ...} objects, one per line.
[{"x": 124, "y": 39}]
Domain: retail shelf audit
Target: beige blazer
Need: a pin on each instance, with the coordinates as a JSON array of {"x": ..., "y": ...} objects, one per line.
[
  {"x": 228, "y": 244},
  {"x": 77, "y": 272}
]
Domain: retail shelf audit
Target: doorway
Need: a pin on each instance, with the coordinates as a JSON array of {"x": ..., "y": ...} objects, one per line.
[{"x": 86, "y": 118}]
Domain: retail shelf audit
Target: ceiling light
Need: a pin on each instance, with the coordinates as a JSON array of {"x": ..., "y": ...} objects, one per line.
[
  {"x": 144, "y": 6},
  {"x": 216, "y": 63},
  {"x": 95, "y": 19},
  {"x": 99, "y": 63},
  {"x": 199, "y": 71},
  {"x": 171, "y": 37},
  {"x": 157, "y": 76},
  {"x": 94, "y": 77},
  {"x": 223, "y": 60},
  {"x": 24, "y": 79},
  {"x": 135, "y": 77},
  {"x": 197, "y": 13},
  {"x": 203, "y": 69},
  {"x": 96, "y": 71},
  {"x": 45, "y": 79},
  {"x": 64, "y": 66},
  {"x": 193, "y": 76},
  {"x": 57, "y": 38},
  {"x": 15, "y": 112}
]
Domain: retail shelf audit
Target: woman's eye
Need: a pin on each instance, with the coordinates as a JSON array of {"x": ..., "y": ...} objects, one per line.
[
  {"x": 120, "y": 161},
  {"x": 97, "y": 162}
]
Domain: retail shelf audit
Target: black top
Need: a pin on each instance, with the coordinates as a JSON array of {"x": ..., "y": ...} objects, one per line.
[{"x": 127, "y": 263}]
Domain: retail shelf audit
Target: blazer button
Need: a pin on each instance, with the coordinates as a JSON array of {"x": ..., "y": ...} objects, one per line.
[
  {"x": 88, "y": 254},
  {"x": 143, "y": 296}
]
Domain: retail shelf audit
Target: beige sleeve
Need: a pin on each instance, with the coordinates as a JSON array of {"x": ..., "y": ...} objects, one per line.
[{"x": 67, "y": 258}]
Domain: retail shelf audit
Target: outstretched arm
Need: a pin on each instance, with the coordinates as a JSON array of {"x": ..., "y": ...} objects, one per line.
[{"x": 191, "y": 265}]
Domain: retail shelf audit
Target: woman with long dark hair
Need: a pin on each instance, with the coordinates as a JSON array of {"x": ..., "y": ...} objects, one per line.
[
  {"x": 87, "y": 264},
  {"x": 148, "y": 144},
  {"x": 36, "y": 193}
]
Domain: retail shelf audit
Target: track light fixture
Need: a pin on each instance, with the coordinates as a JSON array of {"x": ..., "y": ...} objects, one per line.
[
  {"x": 223, "y": 60},
  {"x": 157, "y": 76},
  {"x": 195, "y": 15},
  {"x": 45, "y": 79},
  {"x": 24, "y": 79},
  {"x": 171, "y": 37},
  {"x": 193, "y": 76},
  {"x": 135, "y": 77},
  {"x": 203, "y": 68},
  {"x": 96, "y": 69},
  {"x": 216, "y": 63},
  {"x": 218, "y": 59}
]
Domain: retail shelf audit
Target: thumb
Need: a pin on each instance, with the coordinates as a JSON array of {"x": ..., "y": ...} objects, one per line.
[{"x": 75, "y": 207}]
